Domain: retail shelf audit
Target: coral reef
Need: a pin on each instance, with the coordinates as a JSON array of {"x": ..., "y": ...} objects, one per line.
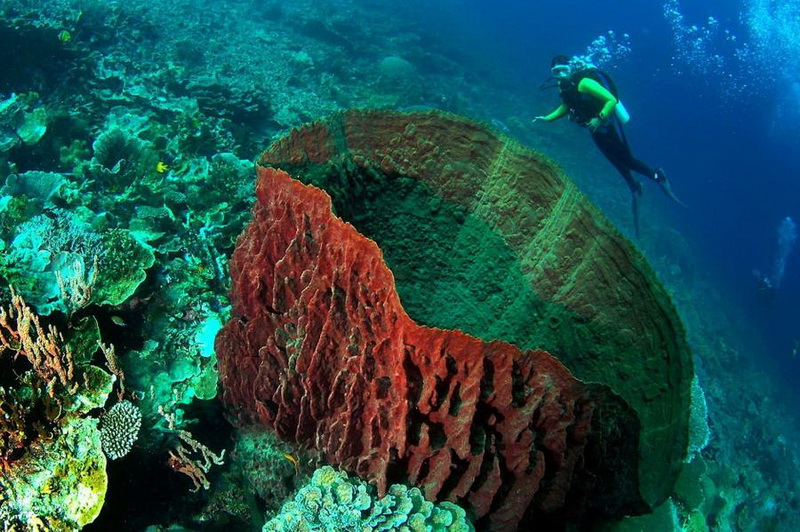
[
  {"x": 52, "y": 467},
  {"x": 141, "y": 119},
  {"x": 119, "y": 428},
  {"x": 333, "y": 501},
  {"x": 321, "y": 350}
]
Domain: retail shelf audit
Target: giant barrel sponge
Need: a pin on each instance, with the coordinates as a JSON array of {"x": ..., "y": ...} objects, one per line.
[{"x": 490, "y": 245}]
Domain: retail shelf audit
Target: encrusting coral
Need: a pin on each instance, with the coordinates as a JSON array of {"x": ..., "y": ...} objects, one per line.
[{"x": 334, "y": 501}]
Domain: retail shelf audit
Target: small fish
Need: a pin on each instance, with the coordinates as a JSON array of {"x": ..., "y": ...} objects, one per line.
[
  {"x": 795, "y": 348},
  {"x": 292, "y": 460},
  {"x": 116, "y": 320},
  {"x": 162, "y": 167},
  {"x": 64, "y": 36}
]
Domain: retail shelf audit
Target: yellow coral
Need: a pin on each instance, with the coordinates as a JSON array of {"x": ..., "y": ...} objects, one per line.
[
  {"x": 326, "y": 476},
  {"x": 35, "y": 524},
  {"x": 344, "y": 493}
]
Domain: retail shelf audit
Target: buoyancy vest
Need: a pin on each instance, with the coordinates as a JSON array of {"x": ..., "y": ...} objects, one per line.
[{"x": 583, "y": 107}]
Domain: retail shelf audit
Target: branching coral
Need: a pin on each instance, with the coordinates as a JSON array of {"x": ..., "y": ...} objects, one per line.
[
  {"x": 119, "y": 428},
  {"x": 51, "y": 461},
  {"x": 21, "y": 332}
]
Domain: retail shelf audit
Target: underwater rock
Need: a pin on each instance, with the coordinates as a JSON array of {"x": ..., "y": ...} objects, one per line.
[
  {"x": 393, "y": 68},
  {"x": 489, "y": 237},
  {"x": 321, "y": 350}
]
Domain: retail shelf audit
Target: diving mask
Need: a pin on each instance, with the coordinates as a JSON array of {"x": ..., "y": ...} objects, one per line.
[{"x": 561, "y": 71}]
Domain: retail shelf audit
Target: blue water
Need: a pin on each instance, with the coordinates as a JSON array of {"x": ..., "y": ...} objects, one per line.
[{"x": 734, "y": 159}]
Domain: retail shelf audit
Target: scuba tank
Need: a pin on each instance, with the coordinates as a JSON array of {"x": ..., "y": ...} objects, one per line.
[{"x": 622, "y": 114}]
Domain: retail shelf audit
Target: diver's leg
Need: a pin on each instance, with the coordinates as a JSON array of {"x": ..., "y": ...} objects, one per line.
[
  {"x": 616, "y": 152},
  {"x": 661, "y": 179},
  {"x": 611, "y": 145},
  {"x": 625, "y": 154},
  {"x": 635, "y": 211},
  {"x": 631, "y": 162},
  {"x": 656, "y": 175},
  {"x": 642, "y": 168}
]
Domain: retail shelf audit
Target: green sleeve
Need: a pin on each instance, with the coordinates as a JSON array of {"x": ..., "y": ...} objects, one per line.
[
  {"x": 590, "y": 86},
  {"x": 560, "y": 111}
]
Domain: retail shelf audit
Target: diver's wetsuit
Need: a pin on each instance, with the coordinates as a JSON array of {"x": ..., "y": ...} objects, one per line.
[{"x": 610, "y": 139}]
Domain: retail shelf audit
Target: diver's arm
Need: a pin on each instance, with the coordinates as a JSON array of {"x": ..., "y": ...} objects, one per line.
[
  {"x": 590, "y": 86},
  {"x": 559, "y": 112}
]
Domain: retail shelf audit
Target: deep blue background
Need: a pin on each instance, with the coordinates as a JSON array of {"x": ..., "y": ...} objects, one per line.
[{"x": 734, "y": 160}]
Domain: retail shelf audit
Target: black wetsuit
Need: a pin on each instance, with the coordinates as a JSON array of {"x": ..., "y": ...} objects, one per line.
[{"x": 609, "y": 137}]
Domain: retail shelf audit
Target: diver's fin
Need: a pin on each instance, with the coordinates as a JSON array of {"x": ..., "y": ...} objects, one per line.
[
  {"x": 663, "y": 182},
  {"x": 635, "y": 209}
]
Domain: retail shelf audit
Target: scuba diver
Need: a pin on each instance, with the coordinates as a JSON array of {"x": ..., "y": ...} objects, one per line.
[
  {"x": 767, "y": 285},
  {"x": 765, "y": 289},
  {"x": 589, "y": 97}
]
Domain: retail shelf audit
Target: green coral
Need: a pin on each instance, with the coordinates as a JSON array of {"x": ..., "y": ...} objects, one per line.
[
  {"x": 180, "y": 365},
  {"x": 19, "y": 121},
  {"x": 333, "y": 501},
  {"x": 122, "y": 267},
  {"x": 73, "y": 245},
  {"x": 64, "y": 482},
  {"x": 33, "y": 126},
  {"x": 261, "y": 457},
  {"x": 695, "y": 522},
  {"x": 664, "y": 518},
  {"x": 41, "y": 189},
  {"x": 692, "y": 484},
  {"x": 53, "y": 466},
  {"x": 120, "y": 158},
  {"x": 14, "y": 210}
]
